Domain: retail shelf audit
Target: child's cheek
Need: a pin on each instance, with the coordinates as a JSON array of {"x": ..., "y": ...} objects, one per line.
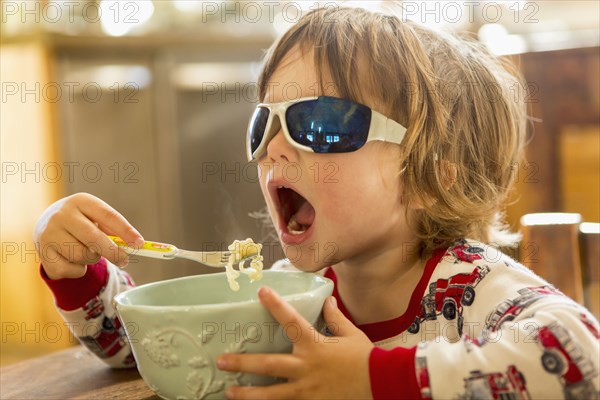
[
  {"x": 332, "y": 202},
  {"x": 338, "y": 198}
]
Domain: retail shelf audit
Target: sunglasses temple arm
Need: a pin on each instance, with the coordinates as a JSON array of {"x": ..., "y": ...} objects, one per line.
[{"x": 385, "y": 129}]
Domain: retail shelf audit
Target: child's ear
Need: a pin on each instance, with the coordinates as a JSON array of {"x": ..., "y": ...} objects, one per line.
[{"x": 448, "y": 173}]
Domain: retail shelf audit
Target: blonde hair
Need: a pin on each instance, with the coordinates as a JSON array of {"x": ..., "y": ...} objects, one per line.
[{"x": 466, "y": 127}]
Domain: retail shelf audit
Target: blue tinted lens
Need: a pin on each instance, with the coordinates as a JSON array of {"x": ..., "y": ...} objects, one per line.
[
  {"x": 329, "y": 124},
  {"x": 256, "y": 129}
]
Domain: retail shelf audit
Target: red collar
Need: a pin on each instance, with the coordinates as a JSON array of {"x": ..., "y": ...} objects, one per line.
[{"x": 377, "y": 331}]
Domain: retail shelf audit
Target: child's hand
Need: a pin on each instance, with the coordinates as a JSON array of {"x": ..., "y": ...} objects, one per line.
[
  {"x": 319, "y": 367},
  {"x": 71, "y": 234}
]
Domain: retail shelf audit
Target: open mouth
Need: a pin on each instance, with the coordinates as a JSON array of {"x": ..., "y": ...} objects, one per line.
[{"x": 295, "y": 211}]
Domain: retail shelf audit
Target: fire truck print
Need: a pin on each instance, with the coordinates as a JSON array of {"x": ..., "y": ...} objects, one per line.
[
  {"x": 563, "y": 357},
  {"x": 93, "y": 308},
  {"x": 509, "y": 309},
  {"x": 447, "y": 296},
  {"x": 473, "y": 342},
  {"x": 423, "y": 377},
  {"x": 464, "y": 252},
  {"x": 496, "y": 385},
  {"x": 109, "y": 340}
]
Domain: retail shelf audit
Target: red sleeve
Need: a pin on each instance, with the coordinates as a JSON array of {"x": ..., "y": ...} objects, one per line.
[
  {"x": 392, "y": 373},
  {"x": 71, "y": 294}
]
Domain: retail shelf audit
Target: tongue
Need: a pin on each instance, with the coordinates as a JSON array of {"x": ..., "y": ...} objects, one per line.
[{"x": 305, "y": 214}]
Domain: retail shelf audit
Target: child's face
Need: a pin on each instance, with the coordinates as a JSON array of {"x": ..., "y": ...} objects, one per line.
[{"x": 354, "y": 207}]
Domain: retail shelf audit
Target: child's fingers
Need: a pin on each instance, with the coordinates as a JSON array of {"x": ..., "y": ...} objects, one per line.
[
  {"x": 57, "y": 267},
  {"x": 84, "y": 255},
  {"x": 95, "y": 241},
  {"x": 337, "y": 323},
  {"x": 72, "y": 250},
  {"x": 275, "y": 365},
  {"x": 69, "y": 248},
  {"x": 106, "y": 229},
  {"x": 294, "y": 325},
  {"x": 110, "y": 219}
]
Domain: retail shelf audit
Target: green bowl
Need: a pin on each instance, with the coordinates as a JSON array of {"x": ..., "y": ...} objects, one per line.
[{"x": 177, "y": 328}]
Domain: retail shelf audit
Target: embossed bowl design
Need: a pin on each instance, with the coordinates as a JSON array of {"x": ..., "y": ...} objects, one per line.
[{"x": 177, "y": 328}]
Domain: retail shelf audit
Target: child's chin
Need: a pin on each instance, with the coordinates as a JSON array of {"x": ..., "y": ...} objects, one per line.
[{"x": 307, "y": 265}]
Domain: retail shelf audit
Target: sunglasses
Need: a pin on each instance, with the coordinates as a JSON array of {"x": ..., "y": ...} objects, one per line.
[{"x": 319, "y": 124}]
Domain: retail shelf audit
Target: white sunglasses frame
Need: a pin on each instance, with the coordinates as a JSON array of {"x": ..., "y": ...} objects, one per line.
[{"x": 381, "y": 128}]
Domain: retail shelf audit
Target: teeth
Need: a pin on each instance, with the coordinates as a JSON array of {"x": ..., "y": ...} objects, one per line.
[{"x": 294, "y": 227}]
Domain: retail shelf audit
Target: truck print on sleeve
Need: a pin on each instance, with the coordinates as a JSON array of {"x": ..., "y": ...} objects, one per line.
[
  {"x": 447, "y": 296},
  {"x": 509, "y": 309},
  {"x": 496, "y": 385},
  {"x": 423, "y": 377},
  {"x": 108, "y": 340},
  {"x": 564, "y": 358}
]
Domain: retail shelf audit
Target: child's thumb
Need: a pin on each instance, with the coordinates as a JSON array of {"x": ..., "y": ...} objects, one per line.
[{"x": 336, "y": 321}]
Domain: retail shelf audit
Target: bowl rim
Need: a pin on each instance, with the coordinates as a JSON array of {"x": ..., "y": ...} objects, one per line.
[{"x": 118, "y": 298}]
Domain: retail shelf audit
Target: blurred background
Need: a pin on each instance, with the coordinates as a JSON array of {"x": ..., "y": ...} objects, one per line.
[{"x": 145, "y": 104}]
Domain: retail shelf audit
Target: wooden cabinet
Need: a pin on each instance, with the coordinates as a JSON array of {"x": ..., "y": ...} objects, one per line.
[{"x": 561, "y": 172}]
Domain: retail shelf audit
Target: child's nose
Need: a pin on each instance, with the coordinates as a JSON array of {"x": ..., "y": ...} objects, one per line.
[{"x": 280, "y": 149}]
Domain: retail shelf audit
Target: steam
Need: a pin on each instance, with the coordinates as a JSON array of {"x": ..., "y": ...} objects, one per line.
[{"x": 267, "y": 229}]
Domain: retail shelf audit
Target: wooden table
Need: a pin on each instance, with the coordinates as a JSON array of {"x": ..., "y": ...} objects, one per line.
[{"x": 71, "y": 374}]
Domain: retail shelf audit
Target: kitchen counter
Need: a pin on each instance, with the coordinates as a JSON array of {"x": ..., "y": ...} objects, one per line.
[{"x": 74, "y": 373}]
